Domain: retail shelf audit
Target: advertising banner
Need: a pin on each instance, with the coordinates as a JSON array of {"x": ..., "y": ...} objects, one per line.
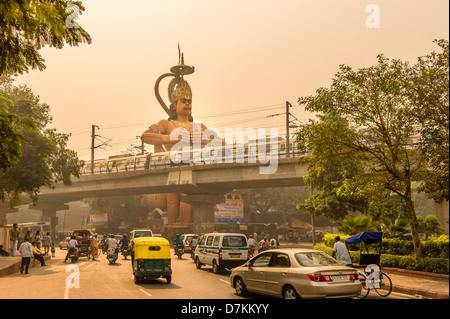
[
  {"x": 97, "y": 219},
  {"x": 231, "y": 211}
]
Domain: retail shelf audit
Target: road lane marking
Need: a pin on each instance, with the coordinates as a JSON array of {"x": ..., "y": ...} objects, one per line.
[
  {"x": 145, "y": 292},
  {"x": 90, "y": 265},
  {"x": 225, "y": 281}
]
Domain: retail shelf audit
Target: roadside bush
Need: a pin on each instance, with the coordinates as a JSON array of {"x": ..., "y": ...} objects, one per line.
[
  {"x": 426, "y": 264},
  {"x": 434, "y": 247}
]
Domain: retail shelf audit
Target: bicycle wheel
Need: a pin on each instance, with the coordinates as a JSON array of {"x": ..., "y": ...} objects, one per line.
[
  {"x": 385, "y": 286},
  {"x": 364, "y": 289}
]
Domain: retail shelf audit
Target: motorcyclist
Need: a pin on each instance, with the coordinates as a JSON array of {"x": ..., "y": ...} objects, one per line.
[
  {"x": 177, "y": 242},
  {"x": 113, "y": 243},
  {"x": 125, "y": 242},
  {"x": 71, "y": 245},
  {"x": 251, "y": 245}
]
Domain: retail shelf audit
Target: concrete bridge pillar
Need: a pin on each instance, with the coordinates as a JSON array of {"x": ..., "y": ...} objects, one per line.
[
  {"x": 49, "y": 212},
  {"x": 5, "y": 209},
  {"x": 203, "y": 211}
]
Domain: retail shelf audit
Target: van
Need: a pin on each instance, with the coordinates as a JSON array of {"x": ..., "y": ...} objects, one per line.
[{"x": 221, "y": 250}]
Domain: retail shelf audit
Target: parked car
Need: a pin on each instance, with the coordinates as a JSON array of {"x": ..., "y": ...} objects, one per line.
[
  {"x": 63, "y": 243},
  {"x": 295, "y": 273},
  {"x": 187, "y": 241}
]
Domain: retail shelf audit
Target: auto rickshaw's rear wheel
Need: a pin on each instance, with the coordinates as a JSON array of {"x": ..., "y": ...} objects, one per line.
[
  {"x": 169, "y": 279},
  {"x": 137, "y": 279}
]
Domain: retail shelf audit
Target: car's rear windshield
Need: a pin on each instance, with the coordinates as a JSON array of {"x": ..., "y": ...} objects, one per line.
[
  {"x": 143, "y": 233},
  {"x": 316, "y": 259},
  {"x": 234, "y": 241}
]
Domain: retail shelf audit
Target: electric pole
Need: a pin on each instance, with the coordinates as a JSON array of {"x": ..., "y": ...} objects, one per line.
[
  {"x": 288, "y": 105},
  {"x": 93, "y": 147}
]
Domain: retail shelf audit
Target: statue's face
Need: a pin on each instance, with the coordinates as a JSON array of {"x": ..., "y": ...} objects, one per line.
[{"x": 184, "y": 105}]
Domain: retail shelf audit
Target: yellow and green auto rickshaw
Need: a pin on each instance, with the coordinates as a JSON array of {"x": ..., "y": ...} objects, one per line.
[{"x": 150, "y": 258}]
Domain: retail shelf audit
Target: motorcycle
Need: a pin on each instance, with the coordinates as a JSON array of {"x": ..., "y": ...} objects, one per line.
[
  {"x": 180, "y": 251},
  {"x": 73, "y": 254},
  {"x": 193, "y": 253},
  {"x": 112, "y": 256},
  {"x": 251, "y": 252},
  {"x": 126, "y": 252},
  {"x": 104, "y": 248}
]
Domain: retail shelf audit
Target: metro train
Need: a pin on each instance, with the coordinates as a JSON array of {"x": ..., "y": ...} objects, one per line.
[{"x": 246, "y": 153}]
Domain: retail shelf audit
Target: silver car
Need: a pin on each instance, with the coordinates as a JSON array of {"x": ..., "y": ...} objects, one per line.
[{"x": 295, "y": 273}]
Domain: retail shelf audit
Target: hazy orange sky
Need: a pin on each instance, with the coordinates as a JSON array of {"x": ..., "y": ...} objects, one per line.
[{"x": 250, "y": 56}]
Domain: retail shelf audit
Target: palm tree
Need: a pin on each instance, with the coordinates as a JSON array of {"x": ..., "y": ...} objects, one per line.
[
  {"x": 394, "y": 228},
  {"x": 355, "y": 225}
]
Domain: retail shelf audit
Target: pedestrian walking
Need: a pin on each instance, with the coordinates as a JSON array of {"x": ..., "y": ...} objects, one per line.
[
  {"x": 273, "y": 243},
  {"x": 14, "y": 238},
  {"x": 46, "y": 243},
  {"x": 341, "y": 252},
  {"x": 38, "y": 239},
  {"x": 38, "y": 254},
  {"x": 94, "y": 247},
  {"x": 26, "y": 250}
]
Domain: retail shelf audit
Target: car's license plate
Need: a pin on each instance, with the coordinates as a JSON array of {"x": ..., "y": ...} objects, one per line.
[
  {"x": 340, "y": 278},
  {"x": 235, "y": 255}
]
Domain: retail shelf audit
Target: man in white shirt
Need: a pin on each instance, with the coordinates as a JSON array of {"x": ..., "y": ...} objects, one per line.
[
  {"x": 26, "y": 250},
  {"x": 71, "y": 245},
  {"x": 341, "y": 252},
  {"x": 113, "y": 243}
]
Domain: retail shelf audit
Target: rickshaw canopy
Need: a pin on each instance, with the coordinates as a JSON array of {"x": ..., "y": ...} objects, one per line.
[
  {"x": 151, "y": 248},
  {"x": 368, "y": 237}
]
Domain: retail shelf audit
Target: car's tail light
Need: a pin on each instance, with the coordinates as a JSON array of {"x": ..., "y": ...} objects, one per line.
[
  {"x": 220, "y": 253},
  {"x": 353, "y": 276},
  {"x": 319, "y": 278}
]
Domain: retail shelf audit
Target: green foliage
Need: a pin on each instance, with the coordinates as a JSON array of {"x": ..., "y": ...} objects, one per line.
[
  {"x": 45, "y": 158},
  {"x": 429, "y": 226},
  {"x": 355, "y": 225},
  {"x": 28, "y": 25},
  {"x": 426, "y": 264},
  {"x": 427, "y": 90},
  {"x": 382, "y": 107},
  {"x": 434, "y": 247},
  {"x": 393, "y": 227}
]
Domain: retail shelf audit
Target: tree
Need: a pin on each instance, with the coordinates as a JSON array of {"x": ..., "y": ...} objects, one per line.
[
  {"x": 382, "y": 124},
  {"x": 394, "y": 227},
  {"x": 428, "y": 93},
  {"x": 11, "y": 138},
  {"x": 430, "y": 226},
  {"x": 355, "y": 225},
  {"x": 327, "y": 174},
  {"x": 45, "y": 159},
  {"x": 28, "y": 25}
]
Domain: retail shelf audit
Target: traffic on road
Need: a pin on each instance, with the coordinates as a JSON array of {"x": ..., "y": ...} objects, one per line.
[{"x": 278, "y": 273}]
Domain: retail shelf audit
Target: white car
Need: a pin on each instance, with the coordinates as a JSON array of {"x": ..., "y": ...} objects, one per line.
[
  {"x": 140, "y": 233},
  {"x": 296, "y": 273}
]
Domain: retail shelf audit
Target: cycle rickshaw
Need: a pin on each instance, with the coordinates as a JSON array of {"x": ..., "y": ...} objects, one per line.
[{"x": 370, "y": 244}]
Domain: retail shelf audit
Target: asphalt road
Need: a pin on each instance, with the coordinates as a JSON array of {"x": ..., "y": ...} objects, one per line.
[{"x": 99, "y": 280}]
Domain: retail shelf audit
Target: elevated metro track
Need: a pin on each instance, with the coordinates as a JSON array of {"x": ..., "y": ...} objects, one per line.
[{"x": 197, "y": 179}]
